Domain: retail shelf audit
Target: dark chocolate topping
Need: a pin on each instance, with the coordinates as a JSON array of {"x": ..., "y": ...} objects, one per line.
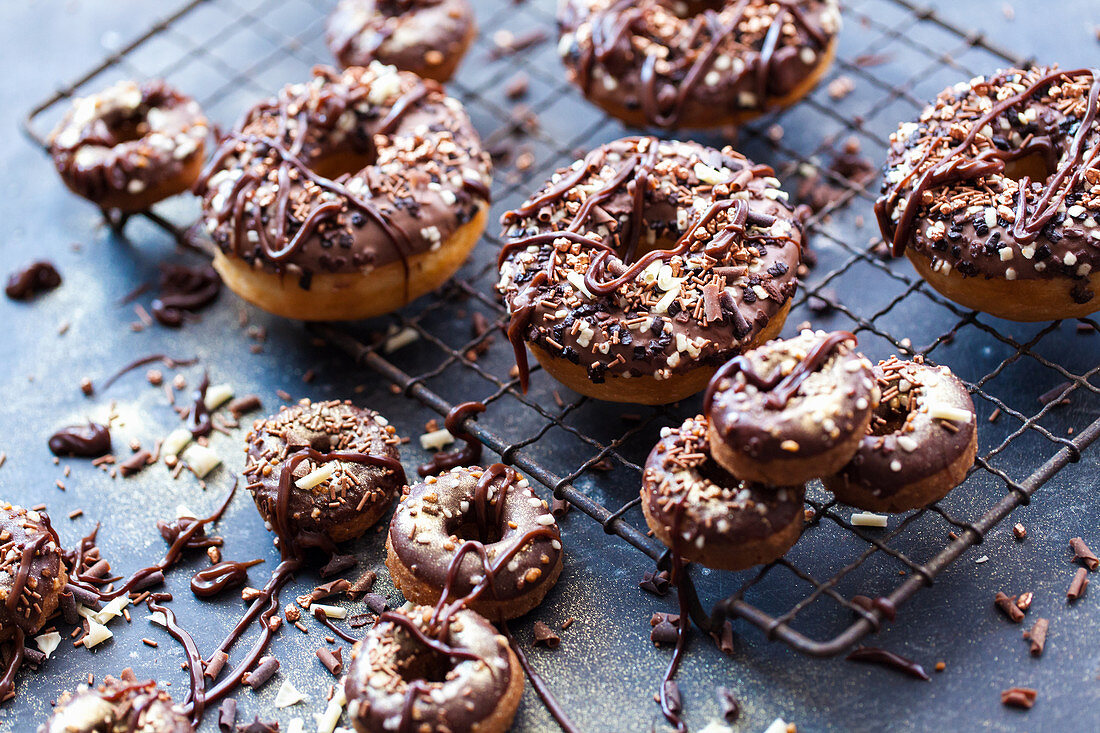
[
  {"x": 305, "y": 434},
  {"x": 924, "y": 422},
  {"x": 816, "y": 392},
  {"x": 184, "y": 289},
  {"x": 128, "y": 138},
  {"x": 997, "y": 177},
  {"x": 648, "y": 258},
  {"x": 220, "y": 577},
  {"x": 397, "y": 153},
  {"x": 402, "y": 674},
  {"x": 679, "y": 66},
  {"x": 875, "y": 655},
  {"x": 718, "y": 507},
  {"x": 37, "y": 277},
  {"x": 413, "y": 35},
  {"x": 31, "y": 570},
  {"x": 493, "y": 507},
  {"x": 118, "y": 706},
  {"x": 84, "y": 441}
]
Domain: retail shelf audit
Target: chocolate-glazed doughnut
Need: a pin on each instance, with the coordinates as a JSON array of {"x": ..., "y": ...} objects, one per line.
[
  {"x": 718, "y": 520},
  {"x": 327, "y": 470},
  {"x": 118, "y": 706},
  {"x": 130, "y": 145},
  {"x": 347, "y": 196},
  {"x": 994, "y": 194},
  {"x": 638, "y": 270},
  {"x": 475, "y": 528},
  {"x": 791, "y": 410},
  {"x": 426, "y": 37},
  {"x": 32, "y": 573},
  {"x": 405, "y": 675},
  {"x": 920, "y": 444},
  {"x": 696, "y": 63}
]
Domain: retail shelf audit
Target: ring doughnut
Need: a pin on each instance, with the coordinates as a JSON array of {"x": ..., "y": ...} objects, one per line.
[
  {"x": 427, "y": 37},
  {"x": 707, "y": 515},
  {"x": 994, "y": 194},
  {"x": 32, "y": 571},
  {"x": 695, "y": 63},
  {"x": 638, "y": 270},
  {"x": 326, "y": 470},
  {"x": 131, "y": 145},
  {"x": 346, "y": 197},
  {"x": 791, "y": 410},
  {"x": 406, "y": 675},
  {"x": 464, "y": 512},
  {"x": 920, "y": 445},
  {"x": 118, "y": 705}
]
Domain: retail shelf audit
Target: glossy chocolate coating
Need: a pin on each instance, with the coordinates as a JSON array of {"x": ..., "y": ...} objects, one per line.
[{"x": 32, "y": 573}]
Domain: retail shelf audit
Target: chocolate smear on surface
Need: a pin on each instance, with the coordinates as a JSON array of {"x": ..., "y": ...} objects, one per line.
[
  {"x": 184, "y": 289},
  {"x": 82, "y": 441},
  {"x": 38, "y": 277}
]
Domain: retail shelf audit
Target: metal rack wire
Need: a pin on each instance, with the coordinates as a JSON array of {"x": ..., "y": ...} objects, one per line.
[{"x": 897, "y": 54}]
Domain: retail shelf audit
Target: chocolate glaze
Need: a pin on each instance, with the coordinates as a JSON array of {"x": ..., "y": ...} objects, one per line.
[
  {"x": 37, "y": 277},
  {"x": 905, "y": 444},
  {"x": 118, "y": 705},
  {"x": 164, "y": 359},
  {"x": 681, "y": 68},
  {"x": 402, "y": 33},
  {"x": 953, "y": 201},
  {"x": 127, "y": 139},
  {"x": 721, "y": 510},
  {"x": 468, "y": 454},
  {"x": 367, "y": 473},
  {"x": 183, "y": 290},
  {"x": 475, "y": 658},
  {"x": 220, "y": 577},
  {"x": 266, "y": 202},
  {"x": 817, "y": 391},
  {"x": 736, "y": 257},
  {"x": 874, "y": 655},
  {"x": 488, "y": 513},
  {"x": 83, "y": 441}
]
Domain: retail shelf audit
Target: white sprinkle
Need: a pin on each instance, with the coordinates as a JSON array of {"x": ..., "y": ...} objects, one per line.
[
  {"x": 980, "y": 560},
  {"x": 317, "y": 476},
  {"x": 868, "y": 519},
  {"x": 436, "y": 439},
  {"x": 545, "y": 520},
  {"x": 907, "y": 444},
  {"x": 287, "y": 695}
]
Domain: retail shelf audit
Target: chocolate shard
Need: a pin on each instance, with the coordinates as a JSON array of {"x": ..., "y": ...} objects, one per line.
[
  {"x": 1037, "y": 635},
  {"x": 362, "y": 585},
  {"x": 731, "y": 708},
  {"x": 1007, "y": 605},
  {"x": 1078, "y": 585},
  {"x": 332, "y": 659},
  {"x": 264, "y": 671},
  {"x": 215, "y": 666},
  {"x": 338, "y": 564},
  {"x": 545, "y": 636},
  {"x": 657, "y": 583},
  {"x": 227, "y": 716},
  {"x": 1083, "y": 555},
  {"x": 1019, "y": 697},
  {"x": 664, "y": 633}
]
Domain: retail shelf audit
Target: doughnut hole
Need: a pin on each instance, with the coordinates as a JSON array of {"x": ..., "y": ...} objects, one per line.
[
  {"x": 890, "y": 418},
  {"x": 1033, "y": 165},
  {"x": 424, "y": 664},
  {"x": 346, "y": 160},
  {"x": 465, "y": 527}
]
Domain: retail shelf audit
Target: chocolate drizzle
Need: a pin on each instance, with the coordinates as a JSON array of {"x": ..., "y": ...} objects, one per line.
[
  {"x": 83, "y": 441},
  {"x": 220, "y": 577},
  {"x": 167, "y": 361},
  {"x": 467, "y": 455},
  {"x": 198, "y": 416},
  {"x": 875, "y": 655},
  {"x": 958, "y": 165},
  {"x": 37, "y": 277},
  {"x": 15, "y": 661},
  {"x": 780, "y": 388},
  {"x": 183, "y": 290},
  {"x": 552, "y": 705}
]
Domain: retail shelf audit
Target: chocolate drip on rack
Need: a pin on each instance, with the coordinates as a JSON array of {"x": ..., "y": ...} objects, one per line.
[
  {"x": 780, "y": 388},
  {"x": 467, "y": 455}
]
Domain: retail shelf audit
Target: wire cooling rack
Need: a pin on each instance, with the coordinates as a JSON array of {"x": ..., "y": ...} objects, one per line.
[{"x": 1035, "y": 386}]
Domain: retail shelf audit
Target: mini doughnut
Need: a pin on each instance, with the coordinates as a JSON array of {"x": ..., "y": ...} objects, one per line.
[
  {"x": 32, "y": 571},
  {"x": 994, "y": 194},
  {"x": 118, "y": 706},
  {"x": 347, "y": 196},
  {"x": 707, "y": 515},
  {"x": 693, "y": 63},
  {"x": 791, "y": 410},
  {"x": 634, "y": 273},
  {"x": 131, "y": 145},
  {"x": 406, "y": 675},
  {"x": 335, "y": 465},
  {"x": 465, "y": 511},
  {"x": 919, "y": 446},
  {"x": 427, "y": 37}
]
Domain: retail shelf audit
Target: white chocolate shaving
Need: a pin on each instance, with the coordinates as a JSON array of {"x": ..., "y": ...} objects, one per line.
[
  {"x": 868, "y": 519},
  {"x": 175, "y": 442},
  {"x": 326, "y": 721},
  {"x": 949, "y": 412},
  {"x": 48, "y": 643},
  {"x": 436, "y": 439},
  {"x": 287, "y": 695},
  {"x": 317, "y": 476},
  {"x": 97, "y": 634},
  {"x": 201, "y": 460},
  {"x": 218, "y": 395},
  {"x": 331, "y": 611}
]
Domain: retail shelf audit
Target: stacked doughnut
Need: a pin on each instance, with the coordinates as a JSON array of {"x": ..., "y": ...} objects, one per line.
[
  {"x": 468, "y": 544},
  {"x": 726, "y": 487}
]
